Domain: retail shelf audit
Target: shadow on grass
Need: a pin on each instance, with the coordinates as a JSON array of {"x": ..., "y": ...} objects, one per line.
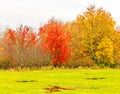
[
  {"x": 25, "y": 81},
  {"x": 95, "y": 78}
]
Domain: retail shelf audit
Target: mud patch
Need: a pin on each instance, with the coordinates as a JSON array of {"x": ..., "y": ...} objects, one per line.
[{"x": 57, "y": 89}]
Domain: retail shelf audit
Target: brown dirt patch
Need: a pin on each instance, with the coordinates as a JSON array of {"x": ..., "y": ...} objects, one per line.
[{"x": 57, "y": 89}]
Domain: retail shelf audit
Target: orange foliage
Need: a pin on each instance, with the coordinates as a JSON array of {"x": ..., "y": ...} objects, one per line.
[
  {"x": 56, "y": 41},
  {"x": 23, "y": 36},
  {"x": 16, "y": 43}
]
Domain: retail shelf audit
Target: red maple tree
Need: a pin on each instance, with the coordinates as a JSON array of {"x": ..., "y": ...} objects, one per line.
[
  {"x": 56, "y": 41},
  {"x": 22, "y": 36},
  {"x": 17, "y": 42}
]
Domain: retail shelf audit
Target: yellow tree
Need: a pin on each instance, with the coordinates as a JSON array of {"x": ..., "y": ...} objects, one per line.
[
  {"x": 116, "y": 44},
  {"x": 105, "y": 52},
  {"x": 78, "y": 55},
  {"x": 94, "y": 25}
]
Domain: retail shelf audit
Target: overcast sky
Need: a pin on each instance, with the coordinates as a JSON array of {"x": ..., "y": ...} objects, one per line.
[{"x": 35, "y": 12}]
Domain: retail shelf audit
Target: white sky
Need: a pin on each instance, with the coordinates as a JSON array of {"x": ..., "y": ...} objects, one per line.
[{"x": 35, "y": 12}]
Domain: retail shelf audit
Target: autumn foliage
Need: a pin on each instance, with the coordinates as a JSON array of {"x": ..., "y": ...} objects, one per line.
[
  {"x": 21, "y": 48},
  {"x": 56, "y": 41},
  {"x": 23, "y": 36},
  {"x": 94, "y": 25},
  {"x": 90, "y": 40}
]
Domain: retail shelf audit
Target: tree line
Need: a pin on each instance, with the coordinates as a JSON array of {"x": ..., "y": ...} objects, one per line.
[{"x": 90, "y": 40}]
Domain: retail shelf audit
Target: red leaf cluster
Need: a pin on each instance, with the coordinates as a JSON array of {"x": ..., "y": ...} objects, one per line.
[
  {"x": 56, "y": 41},
  {"x": 23, "y": 37}
]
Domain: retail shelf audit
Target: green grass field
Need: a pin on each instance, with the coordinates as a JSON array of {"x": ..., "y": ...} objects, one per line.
[{"x": 82, "y": 81}]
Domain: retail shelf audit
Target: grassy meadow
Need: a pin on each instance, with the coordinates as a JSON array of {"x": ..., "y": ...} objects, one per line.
[{"x": 76, "y": 81}]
